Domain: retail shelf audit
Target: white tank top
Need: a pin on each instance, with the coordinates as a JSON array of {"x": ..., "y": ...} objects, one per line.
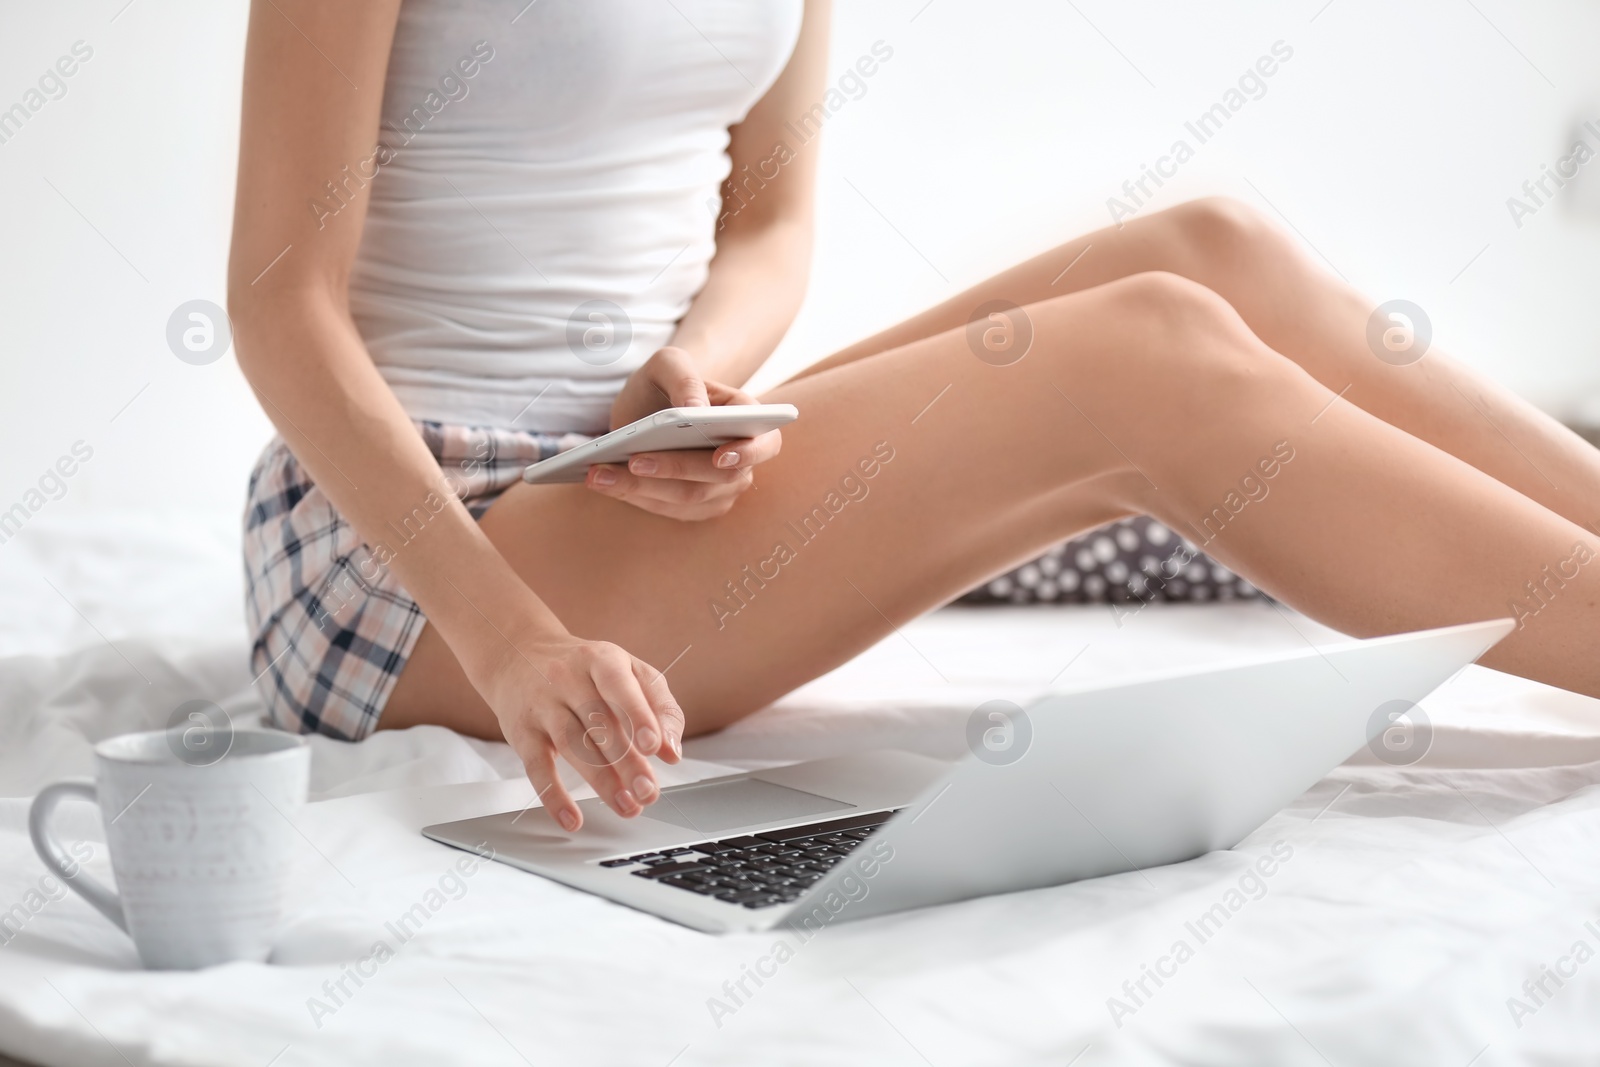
[{"x": 545, "y": 198}]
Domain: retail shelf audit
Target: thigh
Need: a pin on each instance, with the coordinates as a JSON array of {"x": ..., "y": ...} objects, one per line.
[
  {"x": 908, "y": 479},
  {"x": 1218, "y": 243},
  {"x": 1298, "y": 308}
]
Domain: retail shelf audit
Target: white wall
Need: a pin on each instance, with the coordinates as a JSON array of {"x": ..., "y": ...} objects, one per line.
[{"x": 1391, "y": 140}]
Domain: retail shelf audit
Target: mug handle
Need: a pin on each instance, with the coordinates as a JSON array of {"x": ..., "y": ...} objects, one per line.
[{"x": 55, "y": 857}]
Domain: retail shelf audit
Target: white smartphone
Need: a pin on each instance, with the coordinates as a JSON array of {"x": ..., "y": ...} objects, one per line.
[{"x": 668, "y": 430}]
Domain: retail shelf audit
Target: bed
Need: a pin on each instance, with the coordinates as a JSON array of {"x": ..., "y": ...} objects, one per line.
[{"x": 1442, "y": 913}]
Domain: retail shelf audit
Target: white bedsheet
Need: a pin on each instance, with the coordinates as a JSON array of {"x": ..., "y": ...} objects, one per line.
[{"x": 1413, "y": 903}]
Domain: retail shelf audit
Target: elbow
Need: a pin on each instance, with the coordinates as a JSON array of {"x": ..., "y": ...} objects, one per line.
[
  {"x": 250, "y": 282},
  {"x": 247, "y": 302},
  {"x": 275, "y": 314},
  {"x": 252, "y": 321}
]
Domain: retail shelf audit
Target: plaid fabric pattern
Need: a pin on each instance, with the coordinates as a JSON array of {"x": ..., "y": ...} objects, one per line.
[{"x": 331, "y": 625}]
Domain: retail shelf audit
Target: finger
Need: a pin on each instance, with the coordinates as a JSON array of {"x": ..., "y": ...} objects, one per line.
[
  {"x": 621, "y": 690},
  {"x": 598, "y": 742},
  {"x": 540, "y": 763},
  {"x": 569, "y": 736},
  {"x": 671, "y": 491},
  {"x": 694, "y": 465},
  {"x": 614, "y": 680},
  {"x": 735, "y": 395},
  {"x": 736, "y": 455},
  {"x": 746, "y": 453},
  {"x": 678, "y": 377},
  {"x": 677, "y": 500},
  {"x": 722, "y": 393},
  {"x": 667, "y": 710},
  {"x": 604, "y": 477}
]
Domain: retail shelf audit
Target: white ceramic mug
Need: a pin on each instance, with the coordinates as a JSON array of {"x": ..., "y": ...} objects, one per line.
[{"x": 201, "y": 845}]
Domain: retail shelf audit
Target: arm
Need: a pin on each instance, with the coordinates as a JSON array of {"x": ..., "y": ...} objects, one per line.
[
  {"x": 308, "y": 112},
  {"x": 764, "y": 231},
  {"x": 750, "y": 298}
]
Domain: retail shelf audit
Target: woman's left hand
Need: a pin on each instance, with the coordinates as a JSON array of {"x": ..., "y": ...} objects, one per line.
[{"x": 691, "y": 485}]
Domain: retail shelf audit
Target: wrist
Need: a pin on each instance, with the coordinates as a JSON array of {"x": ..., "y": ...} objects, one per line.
[
  {"x": 481, "y": 607},
  {"x": 512, "y": 629}
]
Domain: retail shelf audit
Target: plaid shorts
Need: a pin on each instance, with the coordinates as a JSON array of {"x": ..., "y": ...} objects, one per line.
[{"x": 331, "y": 626}]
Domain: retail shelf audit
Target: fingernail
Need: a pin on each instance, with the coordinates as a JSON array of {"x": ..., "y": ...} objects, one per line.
[
  {"x": 728, "y": 459},
  {"x": 645, "y": 788},
  {"x": 569, "y": 819},
  {"x": 626, "y": 804},
  {"x": 605, "y": 476},
  {"x": 647, "y": 741},
  {"x": 677, "y": 745},
  {"x": 642, "y": 465}
]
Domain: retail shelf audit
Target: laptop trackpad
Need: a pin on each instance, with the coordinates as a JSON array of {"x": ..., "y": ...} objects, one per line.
[{"x": 712, "y": 807}]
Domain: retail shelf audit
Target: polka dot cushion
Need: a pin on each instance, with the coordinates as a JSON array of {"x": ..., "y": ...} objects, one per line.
[{"x": 1136, "y": 559}]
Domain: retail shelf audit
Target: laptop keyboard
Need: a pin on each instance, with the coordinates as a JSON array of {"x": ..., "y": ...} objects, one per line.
[{"x": 760, "y": 870}]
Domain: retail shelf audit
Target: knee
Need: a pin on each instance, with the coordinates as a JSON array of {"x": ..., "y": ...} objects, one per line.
[
  {"x": 1160, "y": 315},
  {"x": 1154, "y": 337},
  {"x": 1221, "y": 232}
]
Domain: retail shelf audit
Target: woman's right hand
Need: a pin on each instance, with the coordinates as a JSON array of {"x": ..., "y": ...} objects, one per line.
[{"x": 593, "y": 704}]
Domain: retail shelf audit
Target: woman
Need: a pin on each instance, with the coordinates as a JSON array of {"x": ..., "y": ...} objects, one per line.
[{"x": 527, "y": 255}]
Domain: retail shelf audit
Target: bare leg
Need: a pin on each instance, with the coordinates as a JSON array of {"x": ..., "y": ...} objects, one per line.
[
  {"x": 1306, "y": 313},
  {"x": 1147, "y": 394}
]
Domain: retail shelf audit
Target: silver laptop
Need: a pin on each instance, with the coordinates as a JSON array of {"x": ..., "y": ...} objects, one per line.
[{"x": 1081, "y": 784}]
